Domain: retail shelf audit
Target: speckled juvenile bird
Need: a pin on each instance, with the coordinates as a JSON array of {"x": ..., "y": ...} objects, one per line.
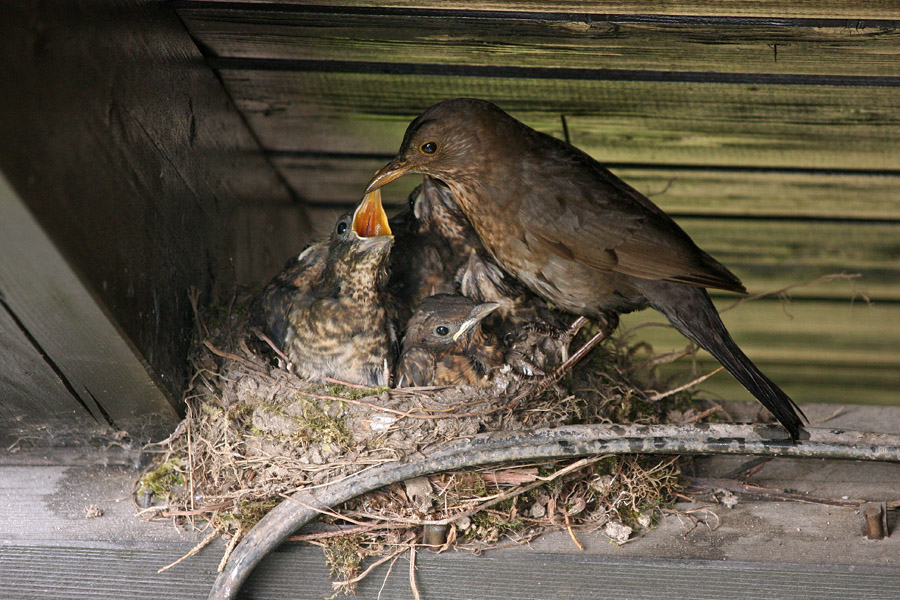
[
  {"x": 445, "y": 345},
  {"x": 573, "y": 232},
  {"x": 327, "y": 309},
  {"x": 535, "y": 335},
  {"x": 432, "y": 242},
  {"x": 299, "y": 273}
]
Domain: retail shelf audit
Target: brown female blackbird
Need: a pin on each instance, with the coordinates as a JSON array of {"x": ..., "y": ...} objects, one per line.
[
  {"x": 573, "y": 232},
  {"x": 327, "y": 311},
  {"x": 444, "y": 344}
]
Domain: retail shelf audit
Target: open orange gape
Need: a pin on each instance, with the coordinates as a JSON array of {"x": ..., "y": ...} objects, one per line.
[{"x": 370, "y": 220}]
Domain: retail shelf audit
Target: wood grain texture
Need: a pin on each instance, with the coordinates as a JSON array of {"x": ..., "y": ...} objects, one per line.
[
  {"x": 32, "y": 393},
  {"x": 770, "y": 255},
  {"x": 614, "y": 121},
  {"x": 875, "y": 9},
  {"x": 107, "y": 384},
  {"x": 130, "y": 155},
  {"x": 818, "y": 351},
  {"x": 570, "y": 40}
]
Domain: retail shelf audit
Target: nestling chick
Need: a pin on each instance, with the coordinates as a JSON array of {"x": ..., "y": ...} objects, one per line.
[
  {"x": 433, "y": 239},
  {"x": 444, "y": 344},
  {"x": 536, "y": 335},
  {"x": 327, "y": 310}
]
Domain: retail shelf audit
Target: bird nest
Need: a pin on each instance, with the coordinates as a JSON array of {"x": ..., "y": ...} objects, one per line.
[{"x": 255, "y": 433}]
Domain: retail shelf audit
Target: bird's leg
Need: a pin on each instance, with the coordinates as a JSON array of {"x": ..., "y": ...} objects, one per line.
[{"x": 576, "y": 325}]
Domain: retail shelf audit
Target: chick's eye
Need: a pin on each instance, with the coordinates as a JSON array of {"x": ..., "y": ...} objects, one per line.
[
  {"x": 442, "y": 330},
  {"x": 342, "y": 227},
  {"x": 428, "y": 147}
]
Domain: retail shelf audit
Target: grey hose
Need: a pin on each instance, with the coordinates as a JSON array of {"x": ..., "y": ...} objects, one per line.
[{"x": 543, "y": 444}]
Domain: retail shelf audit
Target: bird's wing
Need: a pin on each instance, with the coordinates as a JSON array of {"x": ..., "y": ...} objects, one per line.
[
  {"x": 415, "y": 368},
  {"x": 601, "y": 222}
]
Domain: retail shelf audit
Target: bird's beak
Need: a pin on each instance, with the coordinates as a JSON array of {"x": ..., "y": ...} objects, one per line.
[
  {"x": 388, "y": 173},
  {"x": 370, "y": 220},
  {"x": 475, "y": 317}
]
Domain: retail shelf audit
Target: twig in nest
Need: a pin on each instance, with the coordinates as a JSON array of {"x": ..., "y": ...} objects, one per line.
[
  {"x": 681, "y": 388},
  {"x": 340, "y": 585},
  {"x": 190, "y": 456},
  {"x": 249, "y": 365},
  {"x": 386, "y": 575},
  {"x": 703, "y": 414},
  {"x": 784, "y": 290},
  {"x": 764, "y": 492},
  {"x": 203, "y": 544},
  {"x": 569, "y": 529},
  {"x": 324, "y": 511},
  {"x": 194, "y": 298},
  {"x": 354, "y": 386},
  {"x": 198, "y": 511},
  {"x": 268, "y": 341},
  {"x": 230, "y": 548},
  {"x": 324, "y": 535},
  {"x": 574, "y": 467},
  {"x": 412, "y": 570}
]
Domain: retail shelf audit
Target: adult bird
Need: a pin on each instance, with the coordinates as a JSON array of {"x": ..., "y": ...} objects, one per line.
[
  {"x": 445, "y": 345},
  {"x": 327, "y": 310},
  {"x": 573, "y": 232}
]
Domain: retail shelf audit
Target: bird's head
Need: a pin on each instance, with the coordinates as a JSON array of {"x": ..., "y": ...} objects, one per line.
[
  {"x": 361, "y": 240},
  {"x": 445, "y": 320},
  {"x": 446, "y": 141}
]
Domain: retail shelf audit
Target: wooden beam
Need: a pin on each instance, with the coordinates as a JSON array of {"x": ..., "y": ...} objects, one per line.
[
  {"x": 97, "y": 371},
  {"x": 725, "y": 124},
  {"x": 543, "y": 38},
  {"x": 872, "y": 9}
]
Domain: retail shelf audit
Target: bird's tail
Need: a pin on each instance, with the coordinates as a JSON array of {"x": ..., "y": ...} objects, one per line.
[{"x": 693, "y": 314}]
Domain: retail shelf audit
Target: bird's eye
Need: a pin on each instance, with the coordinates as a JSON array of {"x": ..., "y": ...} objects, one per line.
[
  {"x": 341, "y": 227},
  {"x": 442, "y": 330},
  {"x": 428, "y": 147}
]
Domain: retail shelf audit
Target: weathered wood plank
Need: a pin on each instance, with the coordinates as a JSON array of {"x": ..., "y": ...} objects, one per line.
[
  {"x": 98, "y": 368},
  {"x": 265, "y": 236},
  {"x": 679, "y": 190},
  {"x": 131, "y": 156},
  {"x": 769, "y": 255},
  {"x": 614, "y": 121},
  {"x": 884, "y": 9},
  {"x": 819, "y": 351},
  {"x": 32, "y": 395},
  {"x": 115, "y": 571},
  {"x": 502, "y": 38}
]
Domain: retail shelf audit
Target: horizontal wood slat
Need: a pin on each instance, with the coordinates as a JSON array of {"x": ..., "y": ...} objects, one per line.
[
  {"x": 616, "y": 121},
  {"x": 818, "y": 351},
  {"x": 681, "y": 190},
  {"x": 570, "y": 40},
  {"x": 872, "y": 9}
]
